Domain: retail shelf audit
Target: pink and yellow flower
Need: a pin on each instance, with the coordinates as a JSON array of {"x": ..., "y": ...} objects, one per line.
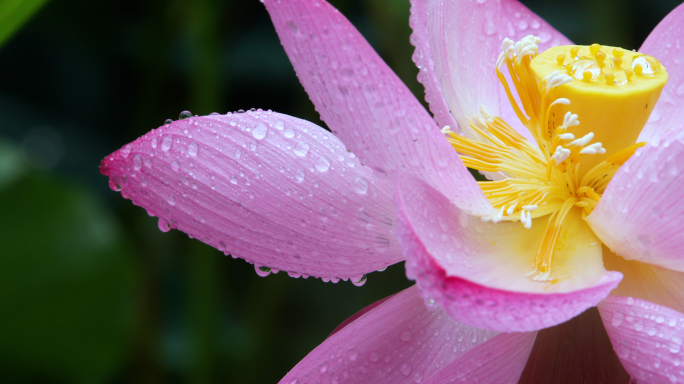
[{"x": 577, "y": 215}]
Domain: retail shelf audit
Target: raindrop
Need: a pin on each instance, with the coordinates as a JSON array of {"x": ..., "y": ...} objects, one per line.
[
  {"x": 163, "y": 225},
  {"x": 233, "y": 179},
  {"x": 168, "y": 122},
  {"x": 166, "y": 143},
  {"x": 361, "y": 185},
  {"x": 405, "y": 369},
  {"x": 323, "y": 164},
  {"x": 262, "y": 271},
  {"x": 184, "y": 115},
  {"x": 353, "y": 355},
  {"x": 137, "y": 162},
  {"x": 253, "y": 145},
  {"x": 374, "y": 356},
  {"x": 175, "y": 166},
  {"x": 617, "y": 319},
  {"x": 260, "y": 131},
  {"x": 154, "y": 143},
  {"x": 289, "y": 133},
  {"x": 382, "y": 244},
  {"x": 406, "y": 336},
  {"x": 299, "y": 175},
  {"x": 126, "y": 150},
  {"x": 193, "y": 148},
  {"x": 279, "y": 125},
  {"x": 171, "y": 200},
  {"x": 148, "y": 163},
  {"x": 301, "y": 148},
  {"x": 379, "y": 173},
  {"x": 359, "y": 281}
]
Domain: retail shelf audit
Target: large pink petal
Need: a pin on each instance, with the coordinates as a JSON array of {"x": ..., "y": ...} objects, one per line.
[
  {"x": 365, "y": 103},
  {"x": 665, "y": 43},
  {"x": 465, "y": 45},
  {"x": 577, "y": 351},
  {"x": 402, "y": 341},
  {"x": 647, "y": 338},
  {"x": 272, "y": 189},
  {"x": 424, "y": 59},
  {"x": 476, "y": 271},
  {"x": 640, "y": 214}
]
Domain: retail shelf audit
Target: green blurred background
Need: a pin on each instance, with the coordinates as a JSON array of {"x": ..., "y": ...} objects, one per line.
[{"x": 90, "y": 290}]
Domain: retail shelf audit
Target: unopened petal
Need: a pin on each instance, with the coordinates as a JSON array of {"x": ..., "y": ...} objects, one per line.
[
  {"x": 275, "y": 190},
  {"x": 364, "y": 102},
  {"x": 403, "y": 341},
  {"x": 477, "y": 271},
  {"x": 640, "y": 214},
  {"x": 647, "y": 338},
  {"x": 664, "y": 43}
]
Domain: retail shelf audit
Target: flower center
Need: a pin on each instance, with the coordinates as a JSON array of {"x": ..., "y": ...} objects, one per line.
[{"x": 567, "y": 166}]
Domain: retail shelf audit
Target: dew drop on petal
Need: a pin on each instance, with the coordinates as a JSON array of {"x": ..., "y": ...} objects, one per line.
[
  {"x": 260, "y": 131},
  {"x": 361, "y": 185},
  {"x": 193, "y": 148},
  {"x": 323, "y": 164},
  {"x": 301, "y": 148},
  {"x": 262, "y": 270},
  {"x": 166, "y": 143},
  {"x": 137, "y": 162},
  {"x": 163, "y": 225}
]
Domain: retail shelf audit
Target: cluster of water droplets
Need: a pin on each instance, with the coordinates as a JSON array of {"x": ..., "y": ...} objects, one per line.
[
  {"x": 245, "y": 160},
  {"x": 649, "y": 328}
]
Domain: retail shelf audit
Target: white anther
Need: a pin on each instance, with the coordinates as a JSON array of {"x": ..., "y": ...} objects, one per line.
[
  {"x": 582, "y": 141},
  {"x": 499, "y": 216},
  {"x": 528, "y": 220},
  {"x": 447, "y": 130},
  {"x": 523, "y": 218},
  {"x": 570, "y": 120},
  {"x": 510, "y": 210},
  {"x": 507, "y": 47},
  {"x": 555, "y": 79},
  {"x": 542, "y": 276},
  {"x": 561, "y": 100},
  {"x": 593, "y": 149},
  {"x": 561, "y": 154},
  {"x": 530, "y": 207},
  {"x": 567, "y": 136},
  {"x": 490, "y": 217}
]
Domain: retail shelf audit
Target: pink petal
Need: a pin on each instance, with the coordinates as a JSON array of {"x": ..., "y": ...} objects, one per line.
[
  {"x": 365, "y": 103},
  {"x": 465, "y": 45},
  {"x": 664, "y": 43},
  {"x": 476, "y": 271},
  {"x": 516, "y": 22},
  {"x": 647, "y": 338},
  {"x": 423, "y": 57},
  {"x": 640, "y": 214},
  {"x": 272, "y": 189},
  {"x": 499, "y": 361},
  {"x": 664, "y": 287},
  {"x": 401, "y": 341},
  {"x": 577, "y": 351}
]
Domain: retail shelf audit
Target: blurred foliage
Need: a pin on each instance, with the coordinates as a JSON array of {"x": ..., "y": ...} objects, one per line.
[
  {"x": 91, "y": 290},
  {"x": 14, "y": 13}
]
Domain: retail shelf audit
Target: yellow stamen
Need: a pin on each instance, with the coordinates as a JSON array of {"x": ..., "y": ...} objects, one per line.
[{"x": 567, "y": 167}]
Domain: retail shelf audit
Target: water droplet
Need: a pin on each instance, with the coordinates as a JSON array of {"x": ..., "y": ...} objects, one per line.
[
  {"x": 630, "y": 301},
  {"x": 279, "y": 125},
  {"x": 374, "y": 356},
  {"x": 114, "y": 186},
  {"x": 253, "y": 145},
  {"x": 163, "y": 225},
  {"x": 660, "y": 319},
  {"x": 301, "y": 148},
  {"x": 262, "y": 271},
  {"x": 126, "y": 150},
  {"x": 382, "y": 244},
  {"x": 166, "y": 143},
  {"x": 352, "y": 354},
  {"x": 289, "y": 133},
  {"x": 148, "y": 163},
  {"x": 405, "y": 369},
  {"x": 489, "y": 26},
  {"x": 154, "y": 143},
  {"x": 379, "y": 173},
  {"x": 323, "y": 164},
  {"x": 617, "y": 319},
  {"x": 171, "y": 200},
  {"x": 168, "y": 122},
  {"x": 323, "y": 368},
  {"x": 406, "y": 336},
  {"x": 359, "y": 281},
  {"x": 193, "y": 148},
  {"x": 184, "y": 115},
  {"x": 260, "y": 131},
  {"x": 175, "y": 166},
  {"x": 238, "y": 153},
  {"x": 361, "y": 185},
  {"x": 291, "y": 26},
  {"x": 233, "y": 179},
  {"x": 672, "y": 322},
  {"x": 299, "y": 175},
  {"x": 137, "y": 162}
]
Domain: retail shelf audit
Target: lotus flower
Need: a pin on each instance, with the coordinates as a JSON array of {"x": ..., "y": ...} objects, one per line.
[{"x": 494, "y": 261}]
